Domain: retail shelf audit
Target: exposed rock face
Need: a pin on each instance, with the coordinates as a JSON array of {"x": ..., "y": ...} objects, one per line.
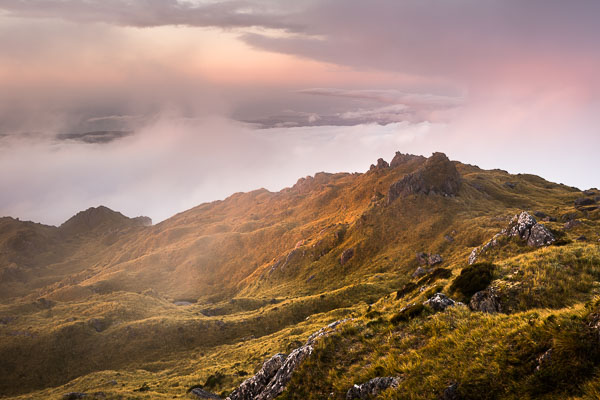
[
  {"x": 544, "y": 359},
  {"x": 203, "y": 394},
  {"x": 372, "y": 388},
  {"x": 400, "y": 159},
  {"x": 428, "y": 259},
  {"x": 540, "y": 236},
  {"x": 439, "y": 302},
  {"x": 346, "y": 256},
  {"x": 437, "y": 176},
  {"x": 381, "y": 164},
  {"x": 434, "y": 259},
  {"x": 255, "y": 385},
  {"x": 523, "y": 226},
  {"x": 275, "y": 374},
  {"x": 485, "y": 301}
]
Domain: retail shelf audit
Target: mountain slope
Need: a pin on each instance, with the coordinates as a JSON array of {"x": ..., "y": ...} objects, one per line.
[{"x": 222, "y": 286}]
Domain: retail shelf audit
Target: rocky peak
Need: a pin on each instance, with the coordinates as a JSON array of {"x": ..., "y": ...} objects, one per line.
[
  {"x": 381, "y": 164},
  {"x": 438, "y": 175},
  {"x": 401, "y": 158}
]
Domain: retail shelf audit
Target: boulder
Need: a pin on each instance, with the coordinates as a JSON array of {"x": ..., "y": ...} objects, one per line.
[
  {"x": 437, "y": 176},
  {"x": 420, "y": 271},
  {"x": 434, "y": 259},
  {"x": 346, "y": 256},
  {"x": 372, "y": 388},
  {"x": 540, "y": 236},
  {"x": 439, "y": 302},
  {"x": 510, "y": 185},
  {"x": 521, "y": 225},
  {"x": 485, "y": 301},
  {"x": 584, "y": 201}
]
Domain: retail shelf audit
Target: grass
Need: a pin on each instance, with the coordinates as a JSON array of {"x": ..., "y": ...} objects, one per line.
[{"x": 262, "y": 272}]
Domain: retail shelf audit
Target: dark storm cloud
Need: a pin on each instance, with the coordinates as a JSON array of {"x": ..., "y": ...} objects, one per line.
[{"x": 94, "y": 137}]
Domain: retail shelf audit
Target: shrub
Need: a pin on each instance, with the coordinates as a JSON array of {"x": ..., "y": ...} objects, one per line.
[
  {"x": 472, "y": 279},
  {"x": 408, "y": 313}
]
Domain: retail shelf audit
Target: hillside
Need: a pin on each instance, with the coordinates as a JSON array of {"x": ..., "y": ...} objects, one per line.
[{"x": 114, "y": 305}]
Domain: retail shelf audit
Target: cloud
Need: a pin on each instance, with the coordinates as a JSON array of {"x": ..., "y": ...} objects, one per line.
[
  {"x": 177, "y": 163},
  {"x": 378, "y": 107},
  {"x": 146, "y": 13},
  {"x": 94, "y": 137}
]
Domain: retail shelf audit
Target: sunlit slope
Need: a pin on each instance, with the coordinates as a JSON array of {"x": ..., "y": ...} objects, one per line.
[
  {"x": 105, "y": 292},
  {"x": 271, "y": 243}
]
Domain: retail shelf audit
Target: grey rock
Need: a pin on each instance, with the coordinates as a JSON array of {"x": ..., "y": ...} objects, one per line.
[
  {"x": 449, "y": 238},
  {"x": 521, "y": 225},
  {"x": 275, "y": 374},
  {"x": 434, "y": 259},
  {"x": 571, "y": 224},
  {"x": 438, "y": 176},
  {"x": 420, "y": 271},
  {"x": 372, "y": 388},
  {"x": 203, "y": 394},
  {"x": 439, "y": 302},
  {"x": 540, "y": 236},
  {"x": 346, "y": 256},
  {"x": 485, "y": 301},
  {"x": 99, "y": 325},
  {"x": 255, "y": 385},
  {"x": 422, "y": 258},
  {"x": 510, "y": 185}
]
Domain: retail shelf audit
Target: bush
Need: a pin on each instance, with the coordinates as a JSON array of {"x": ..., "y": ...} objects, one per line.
[
  {"x": 472, "y": 279},
  {"x": 408, "y": 313}
]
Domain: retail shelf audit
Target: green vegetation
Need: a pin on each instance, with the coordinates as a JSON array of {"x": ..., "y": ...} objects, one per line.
[{"x": 204, "y": 298}]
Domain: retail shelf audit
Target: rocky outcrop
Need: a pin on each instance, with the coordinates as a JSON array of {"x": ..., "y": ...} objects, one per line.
[
  {"x": 540, "y": 236},
  {"x": 255, "y": 385},
  {"x": 584, "y": 201},
  {"x": 428, "y": 259},
  {"x": 400, "y": 159},
  {"x": 381, "y": 164},
  {"x": 439, "y": 302},
  {"x": 203, "y": 394},
  {"x": 437, "y": 176},
  {"x": 523, "y": 226},
  {"x": 346, "y": 256},
  {"x": 372, "y": 388},
  {"x": 485, "y": 301},
  {"x": 275, "y": 373}
]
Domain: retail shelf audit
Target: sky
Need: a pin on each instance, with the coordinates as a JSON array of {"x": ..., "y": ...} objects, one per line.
[{"x": 151, "y": 107}]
